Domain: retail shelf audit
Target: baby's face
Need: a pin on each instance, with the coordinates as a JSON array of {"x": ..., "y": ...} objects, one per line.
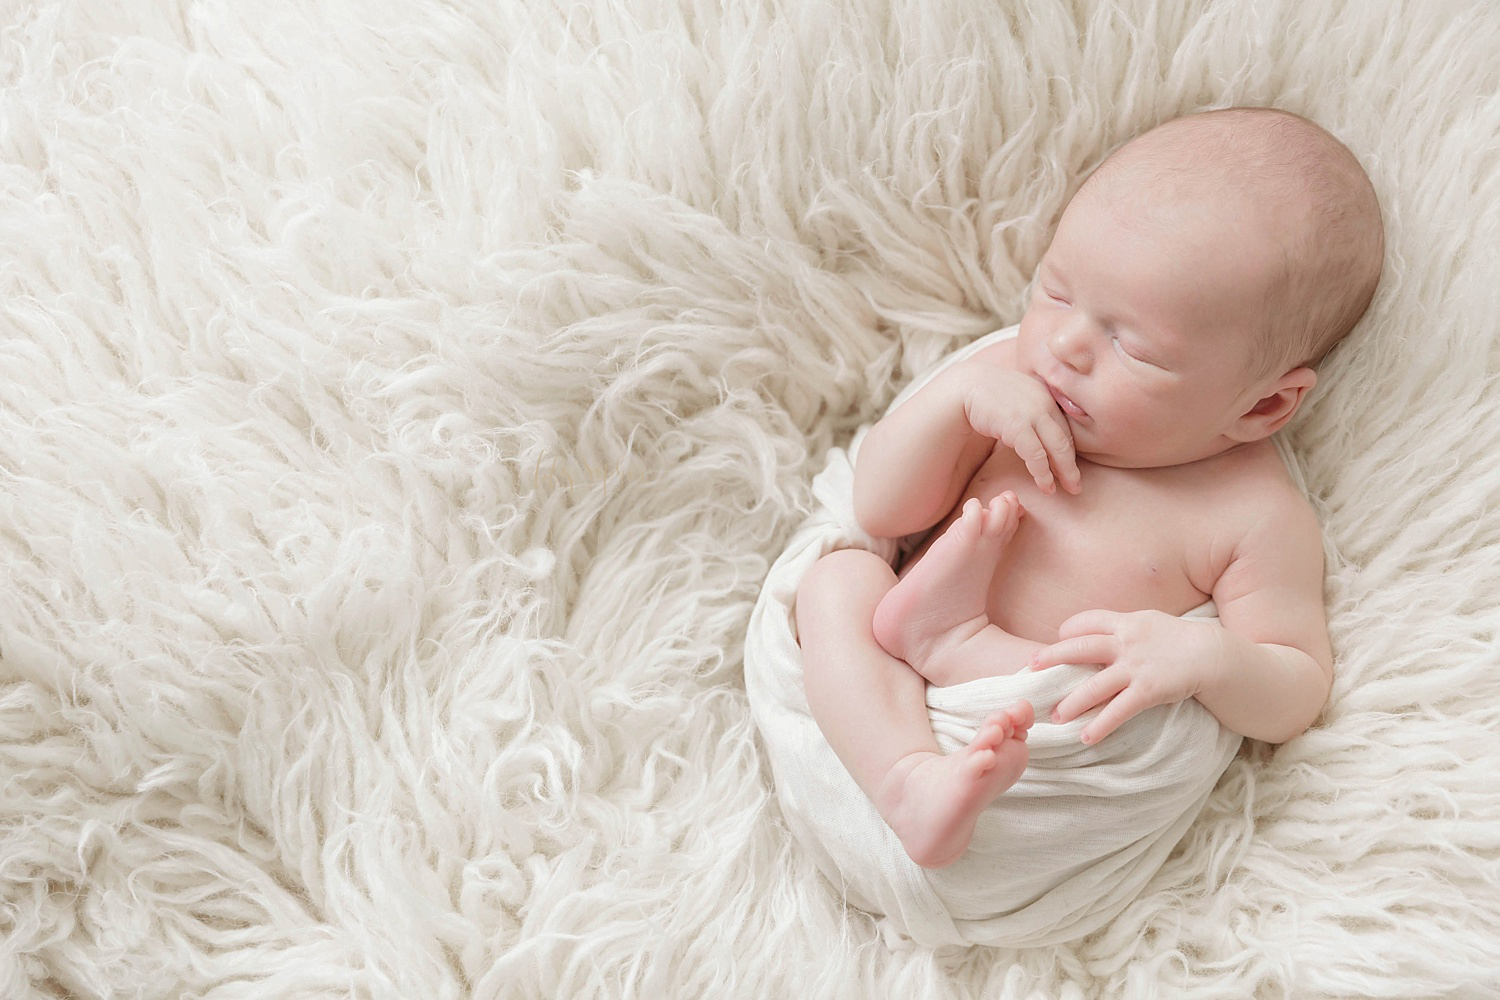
[{"x": 1140, "y": 324}]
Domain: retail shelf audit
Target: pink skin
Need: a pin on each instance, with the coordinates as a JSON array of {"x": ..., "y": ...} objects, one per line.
[
  {"x": 1146, "y": 358},
  {"x": 1137, "y": 331},
  {"x": 934, "y": 618},
  {"x": 932, "y": 800}
]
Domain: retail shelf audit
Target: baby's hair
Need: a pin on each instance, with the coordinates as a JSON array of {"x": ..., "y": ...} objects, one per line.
[{"x": 1333, "y": 241}]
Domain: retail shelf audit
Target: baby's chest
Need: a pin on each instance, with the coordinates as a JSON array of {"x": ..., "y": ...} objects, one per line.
[
  {"x": 1115, "y": 537},
  {"x": 1126, "y": 543}
]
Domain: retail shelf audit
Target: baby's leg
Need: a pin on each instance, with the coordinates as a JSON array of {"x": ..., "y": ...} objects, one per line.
[
  {"x": 935, "y": 617},
  {"x": 871, "y": 708}
]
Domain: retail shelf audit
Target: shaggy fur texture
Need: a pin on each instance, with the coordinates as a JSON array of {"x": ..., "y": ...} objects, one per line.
[{"x": 402, "y": 403}]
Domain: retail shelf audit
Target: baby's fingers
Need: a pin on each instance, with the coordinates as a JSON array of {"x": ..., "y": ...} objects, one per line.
[
  {"x": 1058, "y": 440},
  {"x": 1130, "y": 702},
  {"x": 1103, "y": 686},
  {"x": 1034, "y": 453},
  {"x": 1079, "y": 649}
]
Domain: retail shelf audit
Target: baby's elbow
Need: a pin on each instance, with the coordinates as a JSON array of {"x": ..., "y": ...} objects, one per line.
[
  {"x": 1287, "y": 735},
  {"x": 1290, "y": 729},
  {"x": 1320, "y": 684}
]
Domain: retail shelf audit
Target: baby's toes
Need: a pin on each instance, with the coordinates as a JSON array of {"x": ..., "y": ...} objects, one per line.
[
  {"x": 979, "y": 762},
  {"x": 992, "y": 517},
  {"x": 1020, "y": 716},
  {"x": 971, "y": 519},
  {"x": 1003, "y": 515},
  {"x": 996, "y": 730}
]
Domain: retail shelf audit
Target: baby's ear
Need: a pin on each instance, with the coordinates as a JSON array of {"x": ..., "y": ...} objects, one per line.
[{"x": 1275, "y": 407}]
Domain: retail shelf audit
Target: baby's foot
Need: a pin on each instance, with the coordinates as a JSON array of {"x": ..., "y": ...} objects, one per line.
[
  {"x": 942, "y": 600},
  {"x": 932, "y": 801}
]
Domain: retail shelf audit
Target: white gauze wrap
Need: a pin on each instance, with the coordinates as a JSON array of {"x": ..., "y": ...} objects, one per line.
[{"x": 1060, "y": 853}]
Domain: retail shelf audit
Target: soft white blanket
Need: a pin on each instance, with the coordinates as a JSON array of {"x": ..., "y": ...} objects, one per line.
[
  {"x": 1054, "y": 858},
  {"x": 404, "y": 401}
]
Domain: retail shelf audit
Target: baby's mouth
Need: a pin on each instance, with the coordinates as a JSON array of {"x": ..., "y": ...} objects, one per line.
[{"x": 1069, "y": 407}]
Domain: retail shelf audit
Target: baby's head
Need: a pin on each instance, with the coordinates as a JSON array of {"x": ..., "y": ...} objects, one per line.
[{"x": 1218, "y": 257}]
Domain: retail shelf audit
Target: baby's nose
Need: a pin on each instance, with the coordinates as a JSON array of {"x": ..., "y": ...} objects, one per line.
[{"x": 1070, "y": 345}]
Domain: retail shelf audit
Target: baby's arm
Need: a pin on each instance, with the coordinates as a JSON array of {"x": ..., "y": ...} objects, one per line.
[
  {"x": 1264, "y": 669},
  {"x": 1277, "y": 665},
  {"x": 914, "y": 463}
]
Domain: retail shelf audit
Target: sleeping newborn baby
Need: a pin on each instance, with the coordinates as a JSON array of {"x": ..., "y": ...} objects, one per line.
[{"x": 1193, "y": 282}]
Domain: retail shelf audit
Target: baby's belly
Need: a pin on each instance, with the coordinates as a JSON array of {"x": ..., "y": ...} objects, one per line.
[{"x": 1120, "y": 545}]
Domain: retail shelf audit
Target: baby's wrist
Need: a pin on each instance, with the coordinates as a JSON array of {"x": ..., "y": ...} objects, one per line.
[
  {"x": 974, "y": 376},
  {"x": 958, "y": 384},
  {"x": 1225, "y": 652}
]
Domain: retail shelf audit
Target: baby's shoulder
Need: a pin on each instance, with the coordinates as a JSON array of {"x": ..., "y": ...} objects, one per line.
[
  {"x": 1261, "y": 473},
  {"x": 1253, "y": 483},
  {"x": 1251, "y": 509}
]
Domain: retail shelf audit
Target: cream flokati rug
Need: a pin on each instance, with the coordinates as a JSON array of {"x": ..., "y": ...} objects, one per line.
[{"x": 402, "y": 403}]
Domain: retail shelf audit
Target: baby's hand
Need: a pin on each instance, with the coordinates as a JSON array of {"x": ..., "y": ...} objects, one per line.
[
  {"x": 1149, "y": 657},
  {"x": 1018, "y": 410}
]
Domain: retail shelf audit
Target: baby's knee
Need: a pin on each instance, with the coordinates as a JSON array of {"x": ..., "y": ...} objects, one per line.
[{"x": 841, "y": 577}]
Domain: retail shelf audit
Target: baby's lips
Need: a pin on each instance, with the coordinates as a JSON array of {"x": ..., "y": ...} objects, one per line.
[{"x": 1064, "y": 401}]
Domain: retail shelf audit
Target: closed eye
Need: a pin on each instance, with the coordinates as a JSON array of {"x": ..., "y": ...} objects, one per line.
[
  {"x": 1139, "y": 360},
  {"x": 1054, "y": 296}
]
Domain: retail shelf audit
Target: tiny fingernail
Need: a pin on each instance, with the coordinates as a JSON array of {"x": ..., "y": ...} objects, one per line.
[{"x": 1087, "y": 737}]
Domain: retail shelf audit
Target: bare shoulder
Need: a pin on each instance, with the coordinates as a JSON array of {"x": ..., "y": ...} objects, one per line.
[
  {"x": 1258, "y": 491},
  {"x": 1245, "y": 504},
  {"x": 1253, "y": 479}
]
